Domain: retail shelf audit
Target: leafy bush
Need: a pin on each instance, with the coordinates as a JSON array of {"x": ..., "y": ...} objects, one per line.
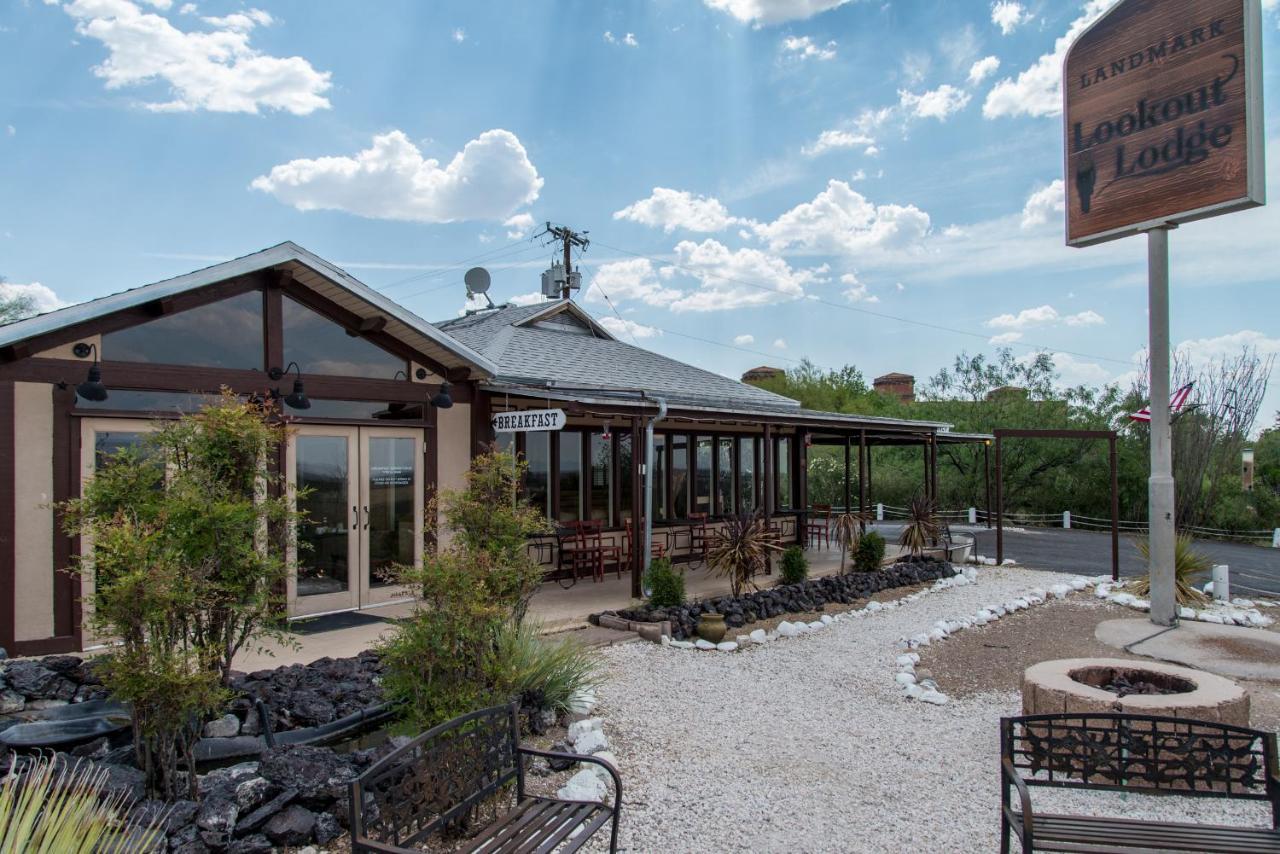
[
  {"x": 666, "y": 586},
  {"x": 45, "y": 809},
  {"x": 544, "y": 673},
  {"x": 795, "y": 567},
  {"x": 187, "y": 566},
  {"x": 869, "y": 552}
]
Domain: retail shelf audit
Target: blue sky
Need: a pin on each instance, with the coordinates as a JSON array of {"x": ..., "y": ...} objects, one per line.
[{"x": 763, "y": 180}]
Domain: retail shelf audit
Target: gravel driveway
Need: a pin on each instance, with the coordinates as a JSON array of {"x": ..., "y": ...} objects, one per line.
[{"x": 806, "y": 744}]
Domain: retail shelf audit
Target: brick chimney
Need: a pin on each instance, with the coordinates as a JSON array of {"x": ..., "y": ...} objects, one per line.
[
  {"x": 901, "y": 386},
  {"x": 764, "y": 372}
]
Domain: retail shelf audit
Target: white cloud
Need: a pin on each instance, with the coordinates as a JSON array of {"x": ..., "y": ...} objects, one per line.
[
  {"x": 760, "y": 12},
  {"x": 527, "y": 299},
  {"x": 1089, "y": 317},
  {"x": 628, "y": 328},
  {"x": 1202, "y": 351},
  {"x": 915, "y": 66},
  {"x": 489, "y": 179},
  {"x": 672, "y": 209},
  {"x": 935, "y": 103},
  {"x": 1025, "y": 318},
  {"x": 856, "y": 290},
  {"x": 1048, "y": 201},
  {"x": 1008, "y": 15},
  {"x": 188, "y": 9},
  {"x": 801, "y": 48},
  {"x": 11, "y": 130},
  {"x": 744, "y": 340},
  {"x": 627, "y": 40},
  {"x": 41, "y": 296},
  {"x": 633, "y": 279},
  {"x": 1037, "y": 91},
  {"x": 216, "y": 70},
  {"x": 982, "y": 69},
  {"x": 780, "y": 344},
  {"x": 1005, "y": 338},
  {"x": 840, "y": 220},
  {"x": 459, "y": 35},
  {"x": 1073, "y": 371},
  {"x": 519, "y": 225},
  {"x": 729, "y": 279},
  {"x": 834, "y": 140},
  {"x": 858, "y": 175}
]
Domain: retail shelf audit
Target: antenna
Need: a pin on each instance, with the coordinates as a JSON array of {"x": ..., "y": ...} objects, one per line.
[
  {"x": 477, "y": 280},
  {"x": 568, "y": 280}
]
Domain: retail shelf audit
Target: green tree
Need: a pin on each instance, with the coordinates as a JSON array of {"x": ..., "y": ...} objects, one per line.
[{"x": 14, "y": 306}]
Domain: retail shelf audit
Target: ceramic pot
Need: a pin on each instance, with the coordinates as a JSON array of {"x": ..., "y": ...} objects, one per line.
[{"x": 711, "y": 627}]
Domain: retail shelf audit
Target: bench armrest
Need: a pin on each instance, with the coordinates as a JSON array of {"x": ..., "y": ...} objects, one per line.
[
  {"x": 1011, "y": 775},
  {"x": 581, "y": 757}
]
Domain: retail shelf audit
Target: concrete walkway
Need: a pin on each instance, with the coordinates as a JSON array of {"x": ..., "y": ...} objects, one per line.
[
  {"x": 557, "y": 609},
  {"x": 1225, "y": 650}
]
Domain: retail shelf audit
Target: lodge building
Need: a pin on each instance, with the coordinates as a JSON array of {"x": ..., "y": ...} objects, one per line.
[{"x": 386, "y": 407}]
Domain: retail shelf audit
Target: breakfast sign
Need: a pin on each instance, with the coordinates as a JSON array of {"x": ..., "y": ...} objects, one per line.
[{"x": 1163, "y": 106}]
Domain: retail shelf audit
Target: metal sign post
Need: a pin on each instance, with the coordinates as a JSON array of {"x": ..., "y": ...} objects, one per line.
[{"x": 1163, "y": 125}]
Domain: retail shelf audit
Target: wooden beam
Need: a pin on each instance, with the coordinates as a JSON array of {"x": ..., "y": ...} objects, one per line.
[
  {"x": 159, "y": 307},
  {"x": 376, "y": 323},
  {"x": 8, "y": 499}
]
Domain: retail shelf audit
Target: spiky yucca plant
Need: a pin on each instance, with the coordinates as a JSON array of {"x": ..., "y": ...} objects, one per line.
[
  {"x": 740, "y": 549},
  {"x": 1187, "y": 563},
  {"x": 50, "y": 810},
  {"x": 922, "y": 528},
  {"x": 847, "y": 529}
]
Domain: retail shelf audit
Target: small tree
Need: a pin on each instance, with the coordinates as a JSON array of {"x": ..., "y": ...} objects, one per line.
[
  {"x": 186, "y": 561},
  {"x": 740, "y": 549},
  {"x": 922, "y": 527}
]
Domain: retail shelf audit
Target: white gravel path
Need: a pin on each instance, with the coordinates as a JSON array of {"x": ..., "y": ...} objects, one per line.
[{"x": 805, "y": 744}]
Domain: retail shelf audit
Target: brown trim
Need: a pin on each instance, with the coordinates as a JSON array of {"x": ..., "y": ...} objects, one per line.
[
  {"x": 46, "y": 646},
  {"x": 66, "y": 582},
  {"x": 482, "y": 435},
  {"x": 273, "y": 327},
  {"x": 430, "y": 471},
  {"x": 8, "y": 501},
  {"x": 638, "y": 514},
  {"x": 139, "y": 314}
]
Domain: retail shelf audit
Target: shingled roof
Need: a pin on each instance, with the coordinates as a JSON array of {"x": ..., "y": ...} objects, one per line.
[{"x": 559, "y": 342}]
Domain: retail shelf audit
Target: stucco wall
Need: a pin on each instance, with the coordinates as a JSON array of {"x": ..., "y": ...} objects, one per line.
[
  {"x": 33, "y": 484},
  {"x": 453, "y": 450}
]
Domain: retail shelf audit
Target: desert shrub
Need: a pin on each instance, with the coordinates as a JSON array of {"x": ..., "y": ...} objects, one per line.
[
  {"x": 186, "y": 565},
  {"x": 795, "y": 566},
  {"x": 45, "y": 809},
  {"x": 869, "y": 552},
  {"x": 740, "y": 549},
  {"x": 922, "y": 528},
  {"x": 544, "y": 673},
  {"x": 666, "y": 586},
  {"x": 1187, "y": 565}
]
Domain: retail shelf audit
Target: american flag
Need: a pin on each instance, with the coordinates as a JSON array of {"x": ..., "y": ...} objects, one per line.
[{"x": 1176, "y": 404}]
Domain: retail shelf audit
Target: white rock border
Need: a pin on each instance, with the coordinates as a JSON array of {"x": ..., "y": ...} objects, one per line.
[
  {"x": 586, "y": 737},
  {"x": 1238, "y": 612}
]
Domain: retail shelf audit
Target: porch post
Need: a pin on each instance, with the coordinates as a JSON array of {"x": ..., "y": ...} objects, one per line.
[
  {"x": 766, "y": 462},
  {"x": 848, "y": 492},
  {"x": 870, "y": 474},
  {"x": 924, "y": 449},
  {"x": 638, "y": 512},
  {"x": 800, "y": 482},
  {"x": 986, "y": 476},
  {"x": 933, "y": 467},
  {"x": 864, "y": 471},
  {"x": 999, "y": 503}
]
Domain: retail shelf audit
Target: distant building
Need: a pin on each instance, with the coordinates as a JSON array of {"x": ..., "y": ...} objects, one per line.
[
  {"x": 901, "y": 386},
  {"x": 762, "y": 373},
  {"x": 1246, "y": 469}
]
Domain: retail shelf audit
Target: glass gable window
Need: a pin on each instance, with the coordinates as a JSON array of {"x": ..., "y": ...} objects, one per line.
[
  {"x": 602, "y": 479},
  {"x": 679, "y": 477},
  {"x": 223, "y": 334},
  {"x": 702, "y": 475},
  {"x": 784, "y": 473},
  {"x": 537, "y": 482},
  {"x": 746, "y": 474},
  {"x": 724, "y": 478},
  {"x": 570, "y": 476},
  {"x": 320, "y": 346}
]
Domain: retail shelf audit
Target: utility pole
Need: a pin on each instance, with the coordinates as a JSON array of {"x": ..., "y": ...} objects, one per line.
[{"x": 569, "y": 239}]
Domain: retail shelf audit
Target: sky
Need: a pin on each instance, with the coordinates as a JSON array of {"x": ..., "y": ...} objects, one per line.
[{"x": 849, "y": 181}]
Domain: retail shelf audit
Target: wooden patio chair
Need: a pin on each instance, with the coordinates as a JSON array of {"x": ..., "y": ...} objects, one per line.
[
  {"x": 592, "y": 534},
  {"x": 818, "y": 526},
  {"x": 573, "y": 554},
  {"x": 699, "y": 537},
  {"x": 631, "y": 543}
]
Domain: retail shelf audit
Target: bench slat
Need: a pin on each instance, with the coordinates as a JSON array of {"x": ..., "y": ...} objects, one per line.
[
  {"x": 497, "y": 834},
  {"x": 1118, "y": 834},
  {"x": 579, "y": 817},
  {"x": 540, "y": 824}
]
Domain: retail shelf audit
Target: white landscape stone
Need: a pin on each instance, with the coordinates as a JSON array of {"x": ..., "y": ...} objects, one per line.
[
  {"x": 826, "y": 619},
  {"x": 788, "y": 629},
  {"x": 905, "y": 678},
  {"x": 590, "y": 742},
  {"x": 933, "y": 696},
  {"x": 908, "y": 659},
  {"x": 759, "y": 636},
  {"x": 599, "y": 770},
  {"x": 682, "y": 644},
  {"x": 815, "y": 625},
  {"x": 704, "y": 644},
  {"x": 584, "y": 786},
  {"x": 578, "y": 729},
  {"x": 726, "y": 646}
]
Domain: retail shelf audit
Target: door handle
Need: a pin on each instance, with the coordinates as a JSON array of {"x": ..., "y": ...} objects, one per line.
[
  {"x": 366, "y": 517},
  {"x": 355, "y": 512}
]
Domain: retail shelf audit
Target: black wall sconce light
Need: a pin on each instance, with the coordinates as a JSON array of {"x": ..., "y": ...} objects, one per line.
[
  {"x": 92, "y": 388},
  {"x": 298, "y": 399},
  {"x": 442, "y": 400}
]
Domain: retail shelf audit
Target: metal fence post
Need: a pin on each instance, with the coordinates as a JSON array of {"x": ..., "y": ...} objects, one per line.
[
  {"x": 1275, "y": 539},
  {"x": 973, "y": 515},
  {"x": 879, "y": 512},
  {"x": 1066, "y": 519}
]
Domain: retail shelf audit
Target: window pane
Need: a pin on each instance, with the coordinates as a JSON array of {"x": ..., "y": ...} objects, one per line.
[
  {"x": 359, "y": 410},
  {"x": 602, "y": 479},
  {"x": 702, "y": 476},
  {"x": 660, "y": 477},
  {"x": 154, "y": 402},
  {"x": 320, "y": 346},
  {"x": 746, "y": 476},
  {"x": 107, "y": 445},
  {"x": 537, "y": 483},
  {"x": 223, "y": 334},
  {"x": 570, "y": 476},
  {"x": 624, "y": 474},
  {"x": 390, "y": 526},
  {"x": 784, "y": 473},
  {"x": 324, "y": 506},
  {"x": 505, "y": 443},
  {"x": 679, "y": 476},
  {"x": 724, "y": 483}
]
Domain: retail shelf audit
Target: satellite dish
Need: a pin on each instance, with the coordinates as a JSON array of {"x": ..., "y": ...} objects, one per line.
[{"x": 476, "y": 280}]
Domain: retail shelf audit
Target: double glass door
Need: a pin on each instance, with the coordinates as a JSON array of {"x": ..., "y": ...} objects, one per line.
[{"x": 359, "y": 496}]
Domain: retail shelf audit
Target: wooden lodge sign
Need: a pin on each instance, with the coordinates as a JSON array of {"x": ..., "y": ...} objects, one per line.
[
  {"x": 529, "y": 420},
  {"x": 1163, "y": 109}
]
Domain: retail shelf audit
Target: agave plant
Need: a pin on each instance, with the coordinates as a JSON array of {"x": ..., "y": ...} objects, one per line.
[
  {"x": 47, "y": 809},
  {"x": 741, "y": 548},
  {"x": 1187, "y": 564},
  {"x": 922, "y": 528},
  {"x": 848, "y": 527}
]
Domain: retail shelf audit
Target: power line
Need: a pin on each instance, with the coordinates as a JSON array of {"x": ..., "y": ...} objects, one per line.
[
  {"x": 880, "y": 314},
  {"x": 457, "y": 265}
]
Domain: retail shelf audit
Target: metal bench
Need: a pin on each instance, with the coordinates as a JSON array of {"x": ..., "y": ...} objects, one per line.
[
  {"x": 1134, "y": 753},
  {"x": 435, "y": 783}
]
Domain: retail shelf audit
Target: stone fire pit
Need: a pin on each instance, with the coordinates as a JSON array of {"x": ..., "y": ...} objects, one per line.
[{"x": 1090, "y": 685}]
